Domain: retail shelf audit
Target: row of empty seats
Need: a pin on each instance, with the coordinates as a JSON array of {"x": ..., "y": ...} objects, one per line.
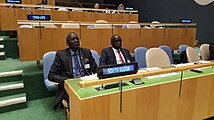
[
  {"x": 70, "y": 25},
  {"x": 102, "y": 24}
]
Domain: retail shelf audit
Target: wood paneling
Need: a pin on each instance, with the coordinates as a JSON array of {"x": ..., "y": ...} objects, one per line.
[
  {"x": 29, "y": 43},
  {"x": 156, "y": 102},
  {"x": 97, "y": 39},
  {"x": 9, "y": 16}
]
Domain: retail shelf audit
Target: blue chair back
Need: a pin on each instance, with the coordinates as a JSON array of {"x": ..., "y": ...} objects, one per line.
[
  {"x": 95, "y": 56},
  {"x": 182, "y": 48},
  {"x": 140, "y": 56},
  {"x": 168, "y": 51},
  {"x": 48, "y": 59}
]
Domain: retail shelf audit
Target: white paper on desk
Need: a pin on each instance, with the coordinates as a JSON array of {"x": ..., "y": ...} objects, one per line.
[
  {"x": 203, "y": 61},
  {"x": 1, "y": 39},
  {"x": 90, "y": 77},
  {"x": 153, "y": 68},
  {"x": 141, "y": 70},
  {"x": 181, "y": 65},
  {"x": 162, "y": 75}
]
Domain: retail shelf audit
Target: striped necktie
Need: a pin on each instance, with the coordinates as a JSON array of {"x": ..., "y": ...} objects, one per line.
[
  {"x": 78, "y": 72},
  {"x": 120, "y": 56}
]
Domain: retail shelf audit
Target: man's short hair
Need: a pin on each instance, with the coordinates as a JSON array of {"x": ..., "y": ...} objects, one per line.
[
  {"x": 113, "y": 37},
  {"x": 69, "y": 36}
]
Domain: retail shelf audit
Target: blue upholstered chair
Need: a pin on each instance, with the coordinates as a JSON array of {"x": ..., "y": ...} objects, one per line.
[
  {"x": 182, "y": 48},
  {"x": 168, "y": 51},
  {"x": 95, "y": 56},
  {"x": 48, "y": 59},
  {"x": 140, "y": 53}
]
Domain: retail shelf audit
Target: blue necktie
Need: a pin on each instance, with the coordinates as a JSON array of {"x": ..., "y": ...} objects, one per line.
[{"x": 78, "y": 72}]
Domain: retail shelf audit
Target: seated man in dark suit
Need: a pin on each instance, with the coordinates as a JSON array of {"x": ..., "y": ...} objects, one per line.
[
  {"x": 72, "y": 62},
  {"x": 115, "y": 54}
]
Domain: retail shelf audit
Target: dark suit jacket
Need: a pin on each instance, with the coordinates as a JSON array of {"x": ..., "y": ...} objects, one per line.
[
  {"x": 108, "y": 57},
  {"x": 62, "y": 69}
]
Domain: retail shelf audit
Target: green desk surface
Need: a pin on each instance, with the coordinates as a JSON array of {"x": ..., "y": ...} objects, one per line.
[{"x": 88, "y": 92}]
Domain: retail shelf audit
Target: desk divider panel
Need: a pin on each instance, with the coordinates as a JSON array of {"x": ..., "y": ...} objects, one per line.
[{"x": 29, "y": 44}]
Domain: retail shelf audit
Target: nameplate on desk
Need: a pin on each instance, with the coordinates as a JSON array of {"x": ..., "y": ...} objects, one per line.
[
  {"x": 38, "y": 17},
  {"x": 185, "y": 21},
  {"x": 13, "y": 1},
  {"x": 117, "y": 70}
]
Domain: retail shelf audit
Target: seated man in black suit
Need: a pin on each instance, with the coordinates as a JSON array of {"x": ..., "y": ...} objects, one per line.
[
  {"x": 115, "y": 54},
  {"x": 72, "y": 62}
]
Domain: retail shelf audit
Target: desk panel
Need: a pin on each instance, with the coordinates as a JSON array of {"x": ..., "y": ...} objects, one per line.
[
  {"x": 29, "y": 43},
  {"x": 22, "y": 14},
  {"x": 101, "y": 16},
  {"x": 131, "y": 38},
  {"x": 158, "y": 99},
  {"x": 8, "y": 19},
  {"x": 120, "y": 17},
  {"x": 97, "y": 39},
  {"x": 9, "y": 16}
]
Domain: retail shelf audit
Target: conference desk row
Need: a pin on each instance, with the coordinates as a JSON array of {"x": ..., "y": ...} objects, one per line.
[
  {"x": 49, "y": 2},
  {"x": 163, "y": 97},
  {"x": 9, "y": 16},
  {"x": 35, "y": 42}
]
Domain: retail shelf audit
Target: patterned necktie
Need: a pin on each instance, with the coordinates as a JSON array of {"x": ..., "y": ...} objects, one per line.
[
  {"x": 78, "y": 72},
  {"x": 120, "y": 56}
]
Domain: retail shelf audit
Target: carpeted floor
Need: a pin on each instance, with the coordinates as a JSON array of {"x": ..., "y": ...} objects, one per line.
[
  {"x": 15, "y": 64},
  {"x": 40, "y": 109}
]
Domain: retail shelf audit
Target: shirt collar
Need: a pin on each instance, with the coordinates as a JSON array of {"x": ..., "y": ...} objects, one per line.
[
  {"x": 115, "y": 50},
  {"x": 72, "y": 52}
]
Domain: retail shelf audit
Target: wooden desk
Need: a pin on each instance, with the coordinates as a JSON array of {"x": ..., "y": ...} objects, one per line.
[
  {"x": 9, "y": 16},
  {"x": 52, "y": 39},
  {"x": 157, "y": 99},
  {"x": 50, "y": 2}
]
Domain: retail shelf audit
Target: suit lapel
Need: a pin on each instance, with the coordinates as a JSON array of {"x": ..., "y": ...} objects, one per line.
[
  {"x": 69, "y": 61},
  {"x": 112, "y": 53},
  {"x": 124, "y": 54},
  {"x": 81, "y": 55}
]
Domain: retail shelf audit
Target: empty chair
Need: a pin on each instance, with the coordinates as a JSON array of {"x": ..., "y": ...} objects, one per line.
[
  {"x": 95, "y": 56},
  {"x": 25, "y": 26},
  {"x": 156, "y": 57},
  {"x": 182, "y": 48},
  {"x": 62, "y": 9},
  {"x": 133, "y": 26},
  {"x": 77, "y": 10},
  {"x": 168, "y": 51},
  {"x": 101, "y": 21},
  {"x": 192, "y": 55},
  {"x": 45, "y": 25},
  {"x": 146, "y": 27},
  {"x": 155, "y": 24},
  {"x": 48, "y": 59},
  {"x": 140, "y": 56},
  {"x": 70, "y": 25},
  {"x": 90, "y": 27},
  {"x": 102, "y": 26},
  {"x": 205, "y": 52}
]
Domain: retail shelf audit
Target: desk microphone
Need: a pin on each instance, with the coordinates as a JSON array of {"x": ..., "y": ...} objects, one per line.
[{"x": 197, "y": 71}]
